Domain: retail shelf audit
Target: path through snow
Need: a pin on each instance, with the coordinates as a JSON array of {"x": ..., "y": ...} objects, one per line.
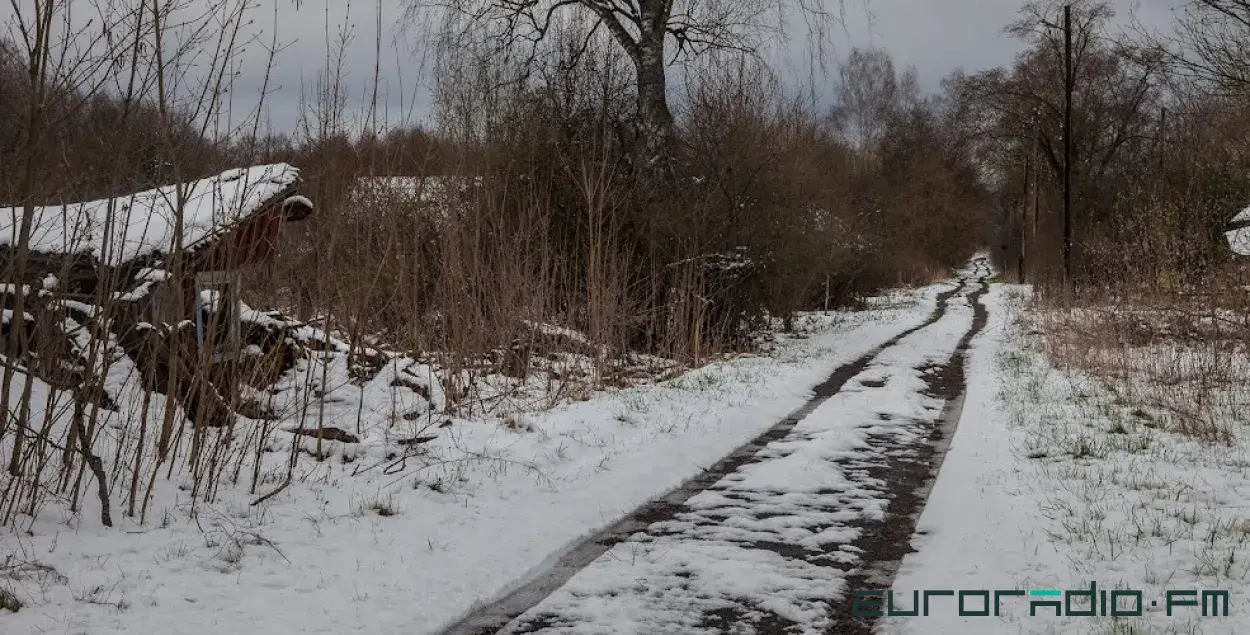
[
  {"x": 484, "y": 511},
  {"x": 767, "y": 541}
]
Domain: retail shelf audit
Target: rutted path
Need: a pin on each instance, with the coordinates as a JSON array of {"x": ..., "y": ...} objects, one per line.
[{"x": 772, "y": 537}]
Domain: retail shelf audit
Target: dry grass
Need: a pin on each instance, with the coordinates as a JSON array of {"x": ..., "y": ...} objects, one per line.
[
  {"x": 1182, "y": 358},
  {"x": 563, "y": 268}
]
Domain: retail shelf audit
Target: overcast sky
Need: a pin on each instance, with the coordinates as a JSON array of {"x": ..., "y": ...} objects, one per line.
[{"x": 937, "y": 36}]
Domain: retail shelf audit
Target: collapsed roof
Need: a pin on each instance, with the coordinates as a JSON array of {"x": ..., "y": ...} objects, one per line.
[
  {"x": 122, "y": 229},
  {"x": 1238, "y": 234}
]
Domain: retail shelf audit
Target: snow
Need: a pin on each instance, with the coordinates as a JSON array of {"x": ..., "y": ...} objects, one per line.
[
  {"x": 557, "y": 331},
  {"x": 147, "y": 278},
  {"x": 248, "y": 314},
  {"x": 296, "y": 200},
  {"x": 121, "y": 229},
  {"x": 89, "y": 310},
  {"x": 980, "y": 528},
  {"x": 8, "y": 316},
  {"x": 1239, "y": 239},
  {"x": 148, "y": 274},
  {"x": 211, "y": 300},
  {"x": 1052, "y": 482},
  {"x": 135, "y": 294},
  {"x": 1243, "y": 215},
  {"x": 808, "y": 491},
  {"x": 432, "y": 188},
  {"x": 474, "y": 512}
]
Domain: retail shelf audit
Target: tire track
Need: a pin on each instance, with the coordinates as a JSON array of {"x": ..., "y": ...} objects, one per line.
[
  {"x": 672, "y": 513},
  {"x": 911, "y": 477}
]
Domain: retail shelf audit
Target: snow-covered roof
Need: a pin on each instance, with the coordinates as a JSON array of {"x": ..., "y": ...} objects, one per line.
[
  {"x": 416, "y": 188},
  {"x": 1239, "y": 237},
  {"x": 120, "y": 229}
]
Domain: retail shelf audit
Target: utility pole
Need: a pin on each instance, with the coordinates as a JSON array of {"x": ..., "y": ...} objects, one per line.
[
  {"x": 1037, "y": 184},
  {"x": 1037, "y": 180},
  {"x": 1163, "y": 133},
  {"x": 1024, "y": 218},
  {"x": 1068, "y": 86}
]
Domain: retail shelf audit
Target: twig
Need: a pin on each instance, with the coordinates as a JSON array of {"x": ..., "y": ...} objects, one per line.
[{"x": 273, "y": 493}]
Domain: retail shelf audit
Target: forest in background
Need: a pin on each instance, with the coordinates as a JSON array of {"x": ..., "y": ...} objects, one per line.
[{"x": 675, "y": 219}]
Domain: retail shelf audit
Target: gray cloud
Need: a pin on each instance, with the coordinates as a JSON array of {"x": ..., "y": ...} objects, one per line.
[
  {"x": 940, "y": 36},
  {"x": 320, "y": 37},
  {"x": 937, "y": 36}
]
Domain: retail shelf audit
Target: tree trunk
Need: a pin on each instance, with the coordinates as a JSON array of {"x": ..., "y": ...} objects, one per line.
[{"x": 655, "y": 120}]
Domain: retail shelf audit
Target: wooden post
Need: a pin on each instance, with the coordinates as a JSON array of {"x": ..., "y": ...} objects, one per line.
[
  {"x": 1068, "y": 87},
  {"x": 1024, "y": 207}
]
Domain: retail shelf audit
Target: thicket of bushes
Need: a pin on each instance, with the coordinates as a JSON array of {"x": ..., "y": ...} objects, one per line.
[
  {"x": 1161, "y": 164},
  {"x": 1160, "y": 154},
  {"x": 541, "y": 210},
  {"x": 768, "y": 208}
]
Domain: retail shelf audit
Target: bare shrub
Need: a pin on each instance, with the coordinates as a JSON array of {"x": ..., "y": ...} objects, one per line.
[
  {"x": 519, "y": 253},
  {"x": 1180, "y": 360}
]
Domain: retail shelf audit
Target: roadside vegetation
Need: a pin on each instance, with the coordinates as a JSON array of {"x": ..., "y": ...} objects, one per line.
[
  {"x": 1128, "y": 388},
  {"x": 591, "y": 206},
  {"x": 559, "y": 224},
  {"x": 1159, "y": 169}
]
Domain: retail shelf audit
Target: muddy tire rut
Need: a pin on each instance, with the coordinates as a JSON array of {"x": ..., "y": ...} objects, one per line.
[
  {"x": 895, "y": 469},
  {"x": 911, "y": 473}
]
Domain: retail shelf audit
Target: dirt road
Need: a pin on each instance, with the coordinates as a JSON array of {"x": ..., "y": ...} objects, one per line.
[{"x": 773, "y": 537}]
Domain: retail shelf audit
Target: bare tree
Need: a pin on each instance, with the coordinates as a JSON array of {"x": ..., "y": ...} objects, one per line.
[
  {"x": 870, "y": 93},
  {"x": 1016, "y": 113},
  {"x": 1210, "y": 42},
  {"x": 654, "y": 34},
  {"x": 1022, "y": 105}
]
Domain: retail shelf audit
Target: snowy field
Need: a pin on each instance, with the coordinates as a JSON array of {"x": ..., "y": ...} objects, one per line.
[
  {"x": 416, "y": 543},
  {"x": 1054, "y": 482}
]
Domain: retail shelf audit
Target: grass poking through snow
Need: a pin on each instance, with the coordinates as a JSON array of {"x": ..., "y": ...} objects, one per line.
[{"x": 1137, "y": 488}]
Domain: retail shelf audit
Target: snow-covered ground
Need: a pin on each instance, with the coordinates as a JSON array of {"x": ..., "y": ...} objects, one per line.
[
  {"x": 413, "y": 545},
  {"x": 768, "y": 547},
  {"x": 1054, "y": 482}
]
